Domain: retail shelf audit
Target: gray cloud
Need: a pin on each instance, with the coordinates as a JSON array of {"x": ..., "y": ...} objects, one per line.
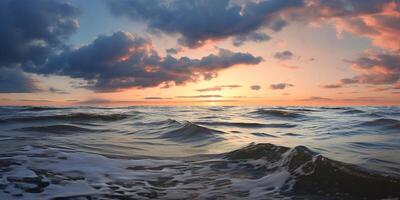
[
  {"x": 373, "y": 68},
  {"x": 57, "y": 91},
  {"x": 201, "y": 96},
  {"x": 15, "y": 81},
  {"x": 284, "y": 55},
  {"x": 255, "y": 87},
  {"x": 156, "y": 98},
  {"x": 254, "y": 37},
  {"x": 280, "y": 86},
  {"x": 332, "y": 86},
  {"x": 315, "y": 98},
  {"x": 30, "y": 31},
  {"x": 197, "y": 21},
  {"x": 218, "y": 88},
  {"x": 173, "y": 50},
  {"x": 122, "y": 61}
]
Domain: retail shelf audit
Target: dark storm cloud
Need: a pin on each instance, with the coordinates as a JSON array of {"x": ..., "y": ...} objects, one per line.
[
  {"x": 15, "y": 81},
  {"x": 280, "y": 86},
  {"x": 254, "y": 37},
  {"x": 197, "y": 21},
  {"x": 32, "y": 30},
  {"x": 255, "y": 87},
  {"x": 122, "y": 61},
  {"x": 284, "y": 55},
  {"x": 218, "y": 88}
]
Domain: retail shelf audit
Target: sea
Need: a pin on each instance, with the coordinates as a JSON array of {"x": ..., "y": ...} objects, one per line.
[{"x": 199, "y": 152}]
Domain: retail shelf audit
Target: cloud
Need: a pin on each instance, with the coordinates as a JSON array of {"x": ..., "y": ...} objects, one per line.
[
  {"x": 254, "y": 37},
  {"x": 201, "y": 96},
  {"x": 315, "y": 98},
  {"x": 255, "y": 87},
  {"x": 218, "y": 88},
  {"x": 284, "y": 55},
  {"x": 198, "y": 21},
  {"x": 280, "y": 86},
  {"x": 375, "y": 69},
  {"x": 57, "y": 91},
  {"x": 97, "y": 101},
  {"x": 155, "y": 98},
  {"x": 355, "y": 99},
  {"x": 122, "y": 61},
  {"x": 332, "y": 86},
  {"x": 377, "y": 20},
  {"x": 173, "y": 50},
  {"x": 30, "y": 31},
  {"x": 15, "y": 81}
]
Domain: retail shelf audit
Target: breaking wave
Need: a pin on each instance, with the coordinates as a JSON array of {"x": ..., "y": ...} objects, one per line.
[{"x": 257, "y": 171}]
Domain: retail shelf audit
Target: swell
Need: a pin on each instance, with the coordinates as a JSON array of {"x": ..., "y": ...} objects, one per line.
[
  {"x": 248, "y": 124},
  {"x": 278, "y": 114},
  {"x": 190, "y": 132},
  {"x": 61, "y": 128},
  {"x": 43, "y": 108},
  {"x": 353, "y": 111},
  {"x": 316, "y": 176},
  {"x": 72, "y": 117},
  {"x": 383, "y": 123}
]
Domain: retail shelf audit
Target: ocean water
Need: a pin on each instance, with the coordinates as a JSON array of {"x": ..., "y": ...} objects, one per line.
[{"x": 199, "y": 152}]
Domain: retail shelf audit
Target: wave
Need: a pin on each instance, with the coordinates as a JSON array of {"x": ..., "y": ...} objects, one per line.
[
  {"x": 257, "y": 171},
  {"x": 292, "y": 134},
  {"x": 353, "y": 111},
  {"x": 334, "y": 108},
  {"x": 384, "y": 123},
  {"x": 158, "y": 123},
  {"x": 43, "y": 108},
  {"x": 190, "y": 132},
  {"x": 72, "y": 117},
  {"x": 278, "y": 114},
  {"x": 248, "y": 124},
  {"x": 315, "y": 176},
  {"x": 62, "y": 128},
  {"x": 264, "y": 135}
]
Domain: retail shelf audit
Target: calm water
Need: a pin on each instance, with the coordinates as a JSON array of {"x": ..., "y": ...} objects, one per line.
[{"x": 199, "y": 152}]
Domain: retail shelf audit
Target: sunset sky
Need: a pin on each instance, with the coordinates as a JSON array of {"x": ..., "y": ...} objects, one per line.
[{"x": 200, "y": 52}]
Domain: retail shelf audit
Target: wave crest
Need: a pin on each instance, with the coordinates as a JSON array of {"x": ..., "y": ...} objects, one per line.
[
  {"x": 314, "y": 175},
  {"x": 383, "y": 122},
  {"x": 190, "y": 132},
  {"x": 62, "y": 128},
  {"x": 278, "y": 114},
  {"x": 72, "y": 117}
]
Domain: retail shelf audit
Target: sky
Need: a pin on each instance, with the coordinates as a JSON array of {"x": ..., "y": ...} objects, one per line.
[{"x": 200, "y": 52}]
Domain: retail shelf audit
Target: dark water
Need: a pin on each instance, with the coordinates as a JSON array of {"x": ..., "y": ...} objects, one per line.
[{"x": 200, "y": 153}]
